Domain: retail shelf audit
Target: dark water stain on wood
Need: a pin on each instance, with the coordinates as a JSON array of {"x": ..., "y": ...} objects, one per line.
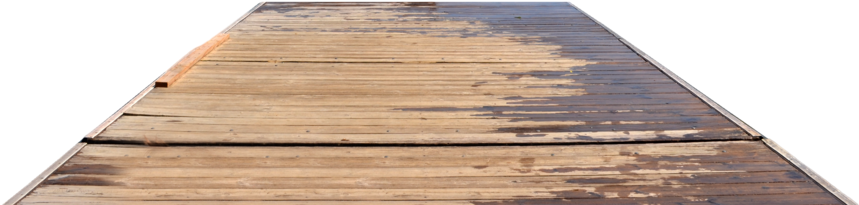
[
  {"x": 523, "y": 202},
  {"x": 529, "y": 135},
  {"x": 795, "y": 175},
  {"x": 651, "y": 166},
  {"x": 661, "y": 135},
  {"x": 527, "y": 162},
  {"x": 97, "y": 169},
  {"x": 82, "y": 181},
  {"x": 533, "y": 129},
  {"x": 597, "y": 181},
  {"x": 602, "y": 121},
  {"x": 626, "y": 127},
  {"x": 575, "y": 193},
  {"x": 580, "y": 106},
  {"x": 583, "y": 137},
  {"x": 590, "y": 169},
  {"x": 803, "y": 198}
]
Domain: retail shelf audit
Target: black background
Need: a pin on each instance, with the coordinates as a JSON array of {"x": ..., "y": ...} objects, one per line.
[{"x": 85, "y": 60}]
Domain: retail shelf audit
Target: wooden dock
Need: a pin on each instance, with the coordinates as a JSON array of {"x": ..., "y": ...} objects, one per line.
[{"x": 424, "y": 103}]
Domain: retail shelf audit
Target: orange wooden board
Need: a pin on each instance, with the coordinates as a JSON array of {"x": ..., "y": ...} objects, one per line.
[{"x": 181, "y": 67}]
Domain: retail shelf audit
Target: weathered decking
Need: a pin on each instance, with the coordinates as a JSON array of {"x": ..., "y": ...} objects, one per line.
[
  {"x": 424, "y": 103},
  {"x": 741, "y": 172},
  {"x": 421, "y": 73}
]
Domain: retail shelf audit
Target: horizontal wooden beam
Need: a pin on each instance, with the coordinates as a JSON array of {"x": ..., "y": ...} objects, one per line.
[{"x": 178, "y": 69}]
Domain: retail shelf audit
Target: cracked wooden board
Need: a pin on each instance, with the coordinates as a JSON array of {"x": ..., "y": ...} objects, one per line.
[{"x": 737, "y": 172}]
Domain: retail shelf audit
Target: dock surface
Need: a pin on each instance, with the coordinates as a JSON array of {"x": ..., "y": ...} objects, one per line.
[
  {"x": 420, "y": 73},
  {"x": 423, "y": 103}
]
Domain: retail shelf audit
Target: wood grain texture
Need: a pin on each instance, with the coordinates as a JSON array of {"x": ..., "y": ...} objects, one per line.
[
  {"x": 738, "y": 172},
  {"x": 445, "y": 103},
  {"x": 181, "y": 67},
  {"x": 420, "y": 73},
  {"x": 747, "y": 128}
]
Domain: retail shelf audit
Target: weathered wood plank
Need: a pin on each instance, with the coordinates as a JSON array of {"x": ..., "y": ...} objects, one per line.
[
  {"x": 411, "y": 135},
  {"x": 666, "y": 149},
  {"x": 700, "y": 179},
  {"x": 799, "y": 198},
  {"x": 570, "y": 193},
  {"x": 803, "y": 198}
]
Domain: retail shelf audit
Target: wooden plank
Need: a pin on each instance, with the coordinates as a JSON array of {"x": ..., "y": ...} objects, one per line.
[
  {"x": 379, "y": 152},
  {"x": 800, "y": 198},
  {"x": 569, "y": 193},
  {"x": 804, "y": 198},
  {"x": 699, "y": 179},
  {"x": 191, "y": 112},
  {"x": 379, "y": 135},
  {"x": 393, "y": 122},
  {"x": 178, "y": 69}
]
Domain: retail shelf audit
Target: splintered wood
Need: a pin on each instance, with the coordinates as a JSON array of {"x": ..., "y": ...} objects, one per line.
[
  {"x": 739, "y": 172},
  {"x": 420, "y": 73}
]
